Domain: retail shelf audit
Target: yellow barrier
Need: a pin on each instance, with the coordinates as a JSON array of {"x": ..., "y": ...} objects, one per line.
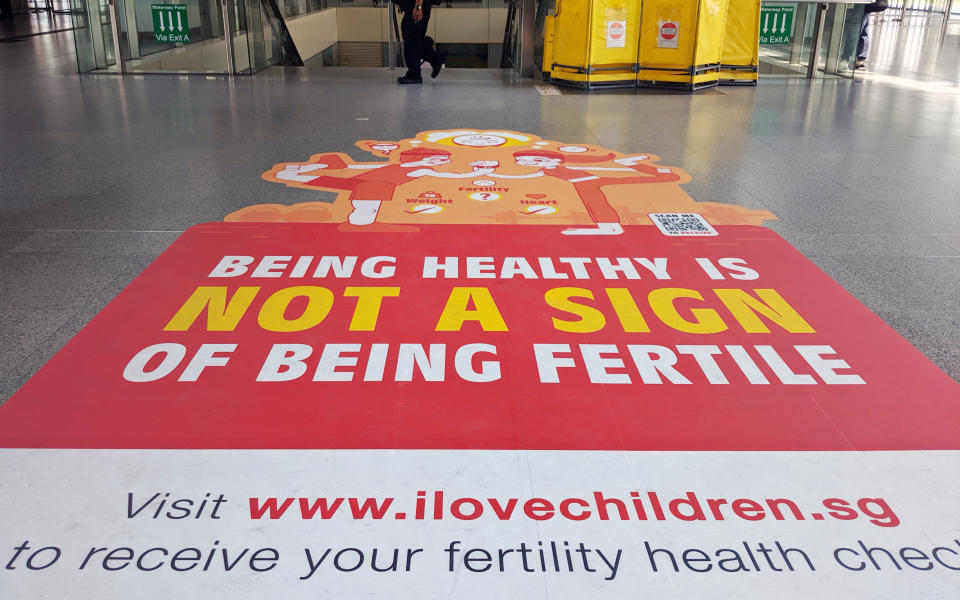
[
  {"x": 594, "y": 43},
  {"x": 681, "y": 43},
  {"x": 549, "y": 34},
  {"x": 661, "y": 43},
  {"x": 741, "y": 44}
]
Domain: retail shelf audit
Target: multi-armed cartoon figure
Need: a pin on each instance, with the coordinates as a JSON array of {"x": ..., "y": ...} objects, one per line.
[
  {"x": 373, "y": 183},
  {"x": 589, "y": 187},
  {"x": 488, "y": 176}
]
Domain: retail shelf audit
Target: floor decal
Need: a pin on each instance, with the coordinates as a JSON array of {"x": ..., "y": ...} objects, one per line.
[
  {"x": 488, "y": 177},
  {"x": 495, "y": 366}
]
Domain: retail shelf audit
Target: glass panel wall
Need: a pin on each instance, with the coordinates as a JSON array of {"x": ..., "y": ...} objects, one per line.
[
  {"x": 244, "y": 36},
  {"x": 896, "y": 7},
  {"x": 787, "y": 53},
  {"x": 295, "y": 8},
  {"x": 199, "y": 29},
  {"x": 179, "y": 36},
  {"x": 469, "y": 32},
  {"x": 87, "y": 38}
]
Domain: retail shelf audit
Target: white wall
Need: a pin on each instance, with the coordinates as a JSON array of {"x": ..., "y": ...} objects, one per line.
[
  {"x": 313, "y": 33},
  {"x": 447, "y": 25}
]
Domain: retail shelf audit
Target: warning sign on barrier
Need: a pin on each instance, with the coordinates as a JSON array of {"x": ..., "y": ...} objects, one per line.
[
  {"x": 616, "y": 34},
  {"x": 669, "y": 34}
]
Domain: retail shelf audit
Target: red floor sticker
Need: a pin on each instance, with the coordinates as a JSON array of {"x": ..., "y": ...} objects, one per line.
[{"x": 493, "y": 337}]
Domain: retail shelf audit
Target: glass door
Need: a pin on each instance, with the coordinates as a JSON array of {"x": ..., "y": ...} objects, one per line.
[{"x": 180, "y": 36}]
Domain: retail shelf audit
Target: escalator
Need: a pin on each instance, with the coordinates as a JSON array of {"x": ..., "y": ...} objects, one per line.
[
  {"x": 472, "y": 34},
  {"x": 246, "y": 36}
]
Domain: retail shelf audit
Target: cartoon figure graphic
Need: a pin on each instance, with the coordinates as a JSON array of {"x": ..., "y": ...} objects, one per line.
[
  {"x": 487, "y": 177},
  {"x": 374, "y": 185},
  {"x": 589, "y": 187}
]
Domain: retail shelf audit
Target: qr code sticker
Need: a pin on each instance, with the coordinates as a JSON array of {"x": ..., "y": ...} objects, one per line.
[{"x": 682, "y": 224}]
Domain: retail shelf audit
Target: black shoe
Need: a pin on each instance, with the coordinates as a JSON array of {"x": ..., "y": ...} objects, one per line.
[
  {"x": 860, "y": 64},
  {"x": 409, "y": 79},
  {"x": 436, "y": 67}
]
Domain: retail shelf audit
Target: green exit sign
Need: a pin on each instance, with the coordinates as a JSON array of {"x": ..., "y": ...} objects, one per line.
[
  {"x": 170, "y": 23},
  {"x": 776, "y": 24}
]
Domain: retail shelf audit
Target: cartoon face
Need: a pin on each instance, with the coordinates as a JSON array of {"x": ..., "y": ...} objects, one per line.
[
  {"x": 537, "y": 161},
  {"x": 479, "y": 140}
]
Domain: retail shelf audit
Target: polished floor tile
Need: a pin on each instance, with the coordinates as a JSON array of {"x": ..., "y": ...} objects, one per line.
[{"x": 101, "y": 172}]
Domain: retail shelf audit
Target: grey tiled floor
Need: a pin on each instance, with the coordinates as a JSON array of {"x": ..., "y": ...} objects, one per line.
[{"x": 100, "y": 173}]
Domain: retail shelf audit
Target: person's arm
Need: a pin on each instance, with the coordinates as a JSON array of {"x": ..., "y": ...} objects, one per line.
[
  {"x": 527, "y": 176},
  {"x": 589, "y": 168},
  {"x": 431, "y": 173},
  {"x": 651, "y": 173},
  {"x": 663, "y": 174},
  {"x": 658, "y": 173},
  {"x": 297, "y": 172},
  {"x": 628, "y": 161},
  {"x": 304, "y": 172}
]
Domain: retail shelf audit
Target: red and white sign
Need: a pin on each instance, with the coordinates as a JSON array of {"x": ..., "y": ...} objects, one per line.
[
  {"x": 668, "y": 34},
  {"x": 469, "y": 412},
  {"x": 252, "y": 335},
  {"x": 616, "y": 34}
]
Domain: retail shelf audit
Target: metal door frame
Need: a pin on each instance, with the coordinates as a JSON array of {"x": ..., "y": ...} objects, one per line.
[{"x": 227, "y": 35}]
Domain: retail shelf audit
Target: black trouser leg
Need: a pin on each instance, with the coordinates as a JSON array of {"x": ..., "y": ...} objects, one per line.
[
  {"x": 429, "y": 52},
  {"x": 413, "y": 46}
]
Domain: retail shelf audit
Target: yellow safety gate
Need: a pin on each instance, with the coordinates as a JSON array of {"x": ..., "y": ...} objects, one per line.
[
  {"x": 685, "y": 44},
  {"x": 594, "y": 43},
  {"x": 740, "y": 61},
  {"x": 681, "y": 42}
]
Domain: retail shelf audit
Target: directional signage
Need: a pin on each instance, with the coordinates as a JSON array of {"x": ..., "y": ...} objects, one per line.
[
  {"x": 170, "y": 23},
  {"x": 776, "y": 24}
]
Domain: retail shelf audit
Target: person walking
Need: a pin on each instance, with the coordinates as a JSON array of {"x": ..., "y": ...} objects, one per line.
[
  {"x": 863, "y": 43},
  {"x": 417, "y": 47}
]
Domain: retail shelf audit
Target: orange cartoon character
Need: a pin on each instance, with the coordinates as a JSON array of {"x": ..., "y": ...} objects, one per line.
[
  {"x": 373, "y": 185},
  {"x": 589, "y": 187},
  {"x": 479, "y": 176}
]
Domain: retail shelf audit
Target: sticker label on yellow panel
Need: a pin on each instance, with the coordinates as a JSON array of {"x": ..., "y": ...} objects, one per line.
[{"x": 668, "y": 34}]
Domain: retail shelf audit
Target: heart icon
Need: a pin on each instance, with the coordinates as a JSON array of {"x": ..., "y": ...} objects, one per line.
[{"x": 536, "y": 196}]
